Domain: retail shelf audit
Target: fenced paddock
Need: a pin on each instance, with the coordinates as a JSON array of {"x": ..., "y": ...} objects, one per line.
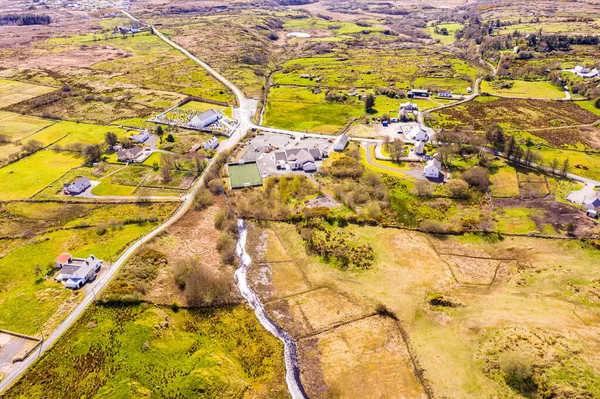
[{"x": 244, "y": 175}]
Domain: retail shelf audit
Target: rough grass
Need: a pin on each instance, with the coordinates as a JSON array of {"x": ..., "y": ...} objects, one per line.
[
  {"x": 24, "y": 178},
  {"x": 504, "y": 182},
  {"x": 213, "y": 353},
  {"x": 12, "y": 92},
  {"x": 67, "y": 133}
]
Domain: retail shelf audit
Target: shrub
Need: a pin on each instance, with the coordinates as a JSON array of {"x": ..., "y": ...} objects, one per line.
[
  {"x": 203, "y": 199},
  {"x": 477, "y": 178},
  {"x": 458, "y": 188},
  {"x": 517, "y": 372},
  {"x": 433, "y": 226}
]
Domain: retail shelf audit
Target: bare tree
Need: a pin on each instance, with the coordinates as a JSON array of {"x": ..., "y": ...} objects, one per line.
[
  {"x": 564, "y": 170},
  {"x": 165, "y": 173}
]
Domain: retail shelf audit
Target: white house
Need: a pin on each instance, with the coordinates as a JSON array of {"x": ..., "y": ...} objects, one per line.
[
  {"x": 141, "y": 137},
  {"x": 75, "y": 272},
  {"x": 445, "y": 94},
  {"x": 129, "y": 154},
  {"x": 409, "y": 106},
  {"x": 340, "y": 143},
  {"x": 586, "y": 73},
  {"x": 420, "y": 148},
  {"x": 211, "y": 144},
  {"x": 206, "y": 118},
  {"x": 432, "y": 168},
  {"x": 417, "y": 133},
  {"x": 77, "y": 186}
]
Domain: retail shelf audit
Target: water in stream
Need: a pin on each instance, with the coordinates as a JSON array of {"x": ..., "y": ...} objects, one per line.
[{"x": 292, "y": 376}]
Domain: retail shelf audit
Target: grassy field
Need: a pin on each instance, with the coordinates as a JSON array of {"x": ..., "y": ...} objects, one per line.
[
  {"x": 504, "y": 182},
  {"x": 591, "y": 160},
  {"x": 211, "y": 352},
  {"x": 19, "y": 127},
  {"x": 512, "y": 114},
  {"x": 31, "y": 302},
  {"x": 444, "y": 39},
  {"x": 24, "y": 178},
  {"x": 67, "y": 133},
  {"x": 12, "y": 92},
  {"x": 457, "y": 342},
  {"x": 523, "y": 89},
  {"x": 202, "y": 106}
]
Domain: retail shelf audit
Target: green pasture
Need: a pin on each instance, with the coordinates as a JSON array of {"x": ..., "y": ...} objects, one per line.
[
  {"x": 589, "y": 106},
  {"x": 444, "y": 39},
  {"x": 67, "y": 133},
  {"x": 525, "y": 89},
  {"x": 589, "y": 159},
  {"x": 503, "y": 182},
  {"x": 24, "y": 178},
  {"x": 19, "y": 127}
]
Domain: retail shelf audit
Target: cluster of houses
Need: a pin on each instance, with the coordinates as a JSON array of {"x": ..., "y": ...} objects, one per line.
[
  {"x": 586, "y": 73},
  {"x": 76, "y": 272}
]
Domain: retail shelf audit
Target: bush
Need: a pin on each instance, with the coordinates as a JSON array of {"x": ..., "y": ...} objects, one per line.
[
  {"x": 458, "y": 188},
  {"x": 517, "y": 372},
  {"x": 205, "y": 285},
  {"x": 433, "y": 226},
  {"x": 226, "y": 247},
  {"x": 597, "y": 103},
  {"x": 477, "y": 178},
  {"x": 216, "y": 186},
  {"x": 203, "y": 199}
]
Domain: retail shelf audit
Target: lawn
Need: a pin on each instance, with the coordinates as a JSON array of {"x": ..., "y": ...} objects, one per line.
[
  {"x": 24, "y": 178},
  {"x": 18, "y": 127},
  {"x": 524, "y": 89},
  {"x": 206, "y": 353},
  {"x": 12, "y": 92},
  {"x": 67, "y": 133}
]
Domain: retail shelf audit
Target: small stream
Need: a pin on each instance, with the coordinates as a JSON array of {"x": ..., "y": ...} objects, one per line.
[{"x": 292, "y": 376}]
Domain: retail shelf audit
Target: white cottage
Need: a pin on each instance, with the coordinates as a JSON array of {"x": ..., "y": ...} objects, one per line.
[{"x": 432, "y": 169}]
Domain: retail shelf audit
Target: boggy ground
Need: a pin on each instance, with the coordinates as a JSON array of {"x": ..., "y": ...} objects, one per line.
[{"x": 464, "y": 305}]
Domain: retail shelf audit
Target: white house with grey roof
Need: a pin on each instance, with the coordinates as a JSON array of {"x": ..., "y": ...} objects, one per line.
[
  {"x": 340, "y": 143},
  {"x": 432, "y": 169},
  {"x": 205, "y": 119},
  {"x": 299, "y": 159},
  {"x": 211, "y": 144},
  {"x": 76, "y": 272},
  {"x": 78, "y": 186}
]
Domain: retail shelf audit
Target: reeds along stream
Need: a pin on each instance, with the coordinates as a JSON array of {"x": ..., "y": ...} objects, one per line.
[{"x": 290, "y": 347}]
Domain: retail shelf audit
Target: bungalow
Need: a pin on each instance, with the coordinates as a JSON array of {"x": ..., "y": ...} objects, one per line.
[
  {"x": 211, "y": 144},
  {"x": 340, "y": 143},
  {"x": 77, "y": 186},
  {"x": 299, "y": 158},
  {"x": 432, "y": 169},
  {"x": 129, "y": 154},
  {"x": 75, "y": 272},
  {"x": 140, "y": 137},
  {"x": 445, "y": 94},
  {"x": 418, "y": 93},
  {"x": 205, "y": 119}
]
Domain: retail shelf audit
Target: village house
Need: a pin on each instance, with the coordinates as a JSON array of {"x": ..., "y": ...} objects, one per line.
[
  {"x": 78, "y": 186},
  {"x": 205, "y": 119},
  {"x": 340, "y": 143},
  {"x": 211, "y": 144},
  {"x": 432, "y": 169},
  {"x": 445, "y": 94},
  {"x": 416, "y": 133},
  {"x": 409, "y": 106},
  {"x": 129, "y": 154},
  {"x": 419, "y": 148},
  {"x": 76, "y": 272}
]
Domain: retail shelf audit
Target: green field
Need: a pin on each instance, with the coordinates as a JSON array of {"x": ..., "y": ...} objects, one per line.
[
  {"x": 209, "y": 353},
  {"x": 524, "y": 89},
  {"x": 244, "y": 175},
  {"x": 504, "y": 182},
  {"x": 12, "y": 92},
  {"x": 444, "y": 39},
  {"x": 24, "y": 178},
  {"x": 18, "y": 127},
  {"x": 67, "y": 133}
]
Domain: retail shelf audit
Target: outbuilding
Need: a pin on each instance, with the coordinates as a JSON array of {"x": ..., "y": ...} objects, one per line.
[
  {"x": 211, "y": 144},
  {"x": 340, "y": 143}
]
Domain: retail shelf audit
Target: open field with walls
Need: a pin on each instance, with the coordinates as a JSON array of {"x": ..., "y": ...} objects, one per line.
[
  {"x": 512, "y": 114},
  {"x": 20, "y": 127},
  {"x": 34, "y": 234},
  {"x": 65, "y": 134},
  {"x": 444, "y": 39},
  {"x": 522, "y": 89},
  {"x": 12, "y": 92},
  {"x": 464, "y": 303}
]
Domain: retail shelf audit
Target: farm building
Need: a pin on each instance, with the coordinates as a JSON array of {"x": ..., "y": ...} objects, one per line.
[
  {"x": 409, "y": 107},
  {"x": 75, "y": 272},
  {"x": 417, "y": 93},
  {"x": 432, "y": 169},
  {"x": 129, "y": 154},
  {"x": 211, "y": 144},
  {"x": 140, "y": 137},
  {"x": 445, "y": 94},
  {"x": 244, "y": 175},
  {"x": 340, "y": 143},
  {"x": 206, "y": 118}
]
